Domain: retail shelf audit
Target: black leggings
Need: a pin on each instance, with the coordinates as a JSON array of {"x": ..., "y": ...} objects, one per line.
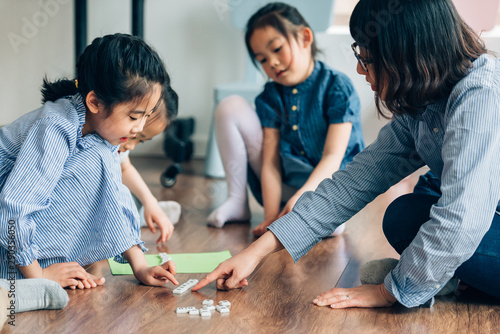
[{"x": 402, "y": 221}]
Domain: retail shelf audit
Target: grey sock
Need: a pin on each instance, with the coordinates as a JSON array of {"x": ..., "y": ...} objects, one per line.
[
  {"x": 4, "y": 305},
  {"x": 36, "y": 294},
  {"x": 449, "y": 287},
  {"x": 374, "y": 272}
]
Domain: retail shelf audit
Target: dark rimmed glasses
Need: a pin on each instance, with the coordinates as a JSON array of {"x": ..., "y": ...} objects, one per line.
[{"x": 362, "y": 62}]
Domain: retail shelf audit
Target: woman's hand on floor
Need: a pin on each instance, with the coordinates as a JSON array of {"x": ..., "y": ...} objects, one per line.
[{"x": 361, "y": 296}]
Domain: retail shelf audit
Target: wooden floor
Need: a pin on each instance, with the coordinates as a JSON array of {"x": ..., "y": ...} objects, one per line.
[{"x": 278, "y": 298}]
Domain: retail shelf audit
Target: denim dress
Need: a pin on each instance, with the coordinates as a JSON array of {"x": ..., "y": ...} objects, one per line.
[{"x": 303, "y": 113}]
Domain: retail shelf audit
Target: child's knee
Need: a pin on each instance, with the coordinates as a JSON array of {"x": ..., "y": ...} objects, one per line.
[{"x": 231, "y": 107}]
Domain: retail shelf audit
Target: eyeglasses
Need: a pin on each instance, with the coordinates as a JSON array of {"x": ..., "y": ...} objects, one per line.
[{"x": 362, "y": 62}]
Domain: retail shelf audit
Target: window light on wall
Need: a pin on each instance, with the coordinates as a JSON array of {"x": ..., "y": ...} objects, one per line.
[
  {"x": 343, "y": 10},
  {"x": 476, "y": 13}
]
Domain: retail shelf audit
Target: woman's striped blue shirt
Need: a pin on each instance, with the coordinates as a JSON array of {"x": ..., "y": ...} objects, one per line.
[{"x": 459, "y": 139}]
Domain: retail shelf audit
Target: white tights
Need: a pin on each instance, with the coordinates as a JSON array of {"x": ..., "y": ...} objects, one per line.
[{"x": 239, "y": 138}]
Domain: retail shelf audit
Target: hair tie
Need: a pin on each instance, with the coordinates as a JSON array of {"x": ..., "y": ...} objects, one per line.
[{"x": 76, "y": 83}]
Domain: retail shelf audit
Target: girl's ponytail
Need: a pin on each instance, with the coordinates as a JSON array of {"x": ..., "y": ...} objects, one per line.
[
  {"x": 118, "y": 68},
  {"x": 52, "y": 91}
]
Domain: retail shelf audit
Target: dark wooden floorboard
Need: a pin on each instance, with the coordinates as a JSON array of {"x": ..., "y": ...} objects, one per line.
[{"x": 280, "y": 293}]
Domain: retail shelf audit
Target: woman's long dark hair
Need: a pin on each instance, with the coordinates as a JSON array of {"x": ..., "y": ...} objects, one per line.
[
  {"x": 118, "y": 68},
  {"x": 284, "y": 18},
  {"x": 420, "y": 49}
]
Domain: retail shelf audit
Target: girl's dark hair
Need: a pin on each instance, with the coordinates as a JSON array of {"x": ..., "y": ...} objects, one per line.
[
  {"x": 171, "y": 101},
  {"x": 420, "y": 50},
  {"x": 166, "y": 110},
  {"x": 118, "y": 68},
  {"x": 282, "y": 17}
]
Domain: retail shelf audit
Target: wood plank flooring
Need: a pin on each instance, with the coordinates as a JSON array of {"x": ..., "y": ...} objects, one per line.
[{"x": 278, "y": 298}]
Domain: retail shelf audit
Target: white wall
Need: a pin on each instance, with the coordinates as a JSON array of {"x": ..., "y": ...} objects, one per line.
[
  {"x": 201, "y": 49},
  {"x": 335, "y": 45},
  {"x": 194, "y": 37},
  {"x": 34, "y": 41}
]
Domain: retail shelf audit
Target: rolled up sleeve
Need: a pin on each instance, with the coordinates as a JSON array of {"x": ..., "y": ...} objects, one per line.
[
  {"x": 317, "y": 214},
  {"x": 470, "y": 183}
]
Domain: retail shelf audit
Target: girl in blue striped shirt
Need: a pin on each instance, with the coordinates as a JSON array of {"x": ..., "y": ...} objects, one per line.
[
  {"x": 153, "y": 213},
  {"x": 305, "y": 126},
  {"x": 442, "y": 88},
  {"x": 62, "y": 202}
]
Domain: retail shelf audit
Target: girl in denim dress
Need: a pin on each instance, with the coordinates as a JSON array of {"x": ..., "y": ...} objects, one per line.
[{"x": 305, "y": 126}]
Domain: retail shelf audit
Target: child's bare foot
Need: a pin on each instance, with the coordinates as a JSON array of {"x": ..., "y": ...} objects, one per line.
[
  {"x": 97, "y": 280},
  {"x": 91, "y": 282}
]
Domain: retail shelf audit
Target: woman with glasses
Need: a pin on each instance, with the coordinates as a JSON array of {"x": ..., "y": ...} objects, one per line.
[{"x": 434, "y": 77}]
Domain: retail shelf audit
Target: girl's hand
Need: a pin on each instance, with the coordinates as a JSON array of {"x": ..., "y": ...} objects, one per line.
[
  {"x": 361, "y": 296},
  {"x": 67, "y": 274},
  {"x": 170, "y": 266},
  {"x": 155, "y": 215},
  {"x": 149, "y": 275},
  {"x": 262, "y": 227},
  {"x": 289, "y": 205},
  {"x": 157, "y": 275}
]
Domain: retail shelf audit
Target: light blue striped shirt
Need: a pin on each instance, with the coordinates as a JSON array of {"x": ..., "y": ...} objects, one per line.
[
  {"x": 459, "y": 139},
  {"x": 61, "y": 195}
]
